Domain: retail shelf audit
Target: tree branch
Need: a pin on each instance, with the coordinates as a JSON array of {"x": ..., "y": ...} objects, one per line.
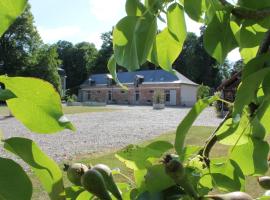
[
  {"x": 246, "y": 13},
  {"x": 264, "y": 47},
  {"x": 211, "y": 141}
]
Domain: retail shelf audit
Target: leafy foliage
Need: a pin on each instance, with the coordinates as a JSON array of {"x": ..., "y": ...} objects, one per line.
[
  {"x": 45, "y": 168},
  {"x": 37, "y": 104},
  {"x": 192, "y": 173}
]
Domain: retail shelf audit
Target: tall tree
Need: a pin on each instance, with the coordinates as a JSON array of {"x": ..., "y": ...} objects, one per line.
[
  {"x": 77, "y": 60},
  {"x": 195, "y": 63},
  {"x": 46, "y": 67},
  {"x": 104, "y": 54},
  {"x": 19, "y": 45}
]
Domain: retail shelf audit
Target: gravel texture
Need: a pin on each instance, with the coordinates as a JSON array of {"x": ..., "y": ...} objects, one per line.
[{"x": 101, "y": 131}]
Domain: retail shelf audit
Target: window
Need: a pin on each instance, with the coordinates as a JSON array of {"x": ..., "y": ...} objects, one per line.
[
  {"x": 122, "y": 91},
  {"x": 109, "y": 95},
  {"x": 98, "y": 91},
  {"x": 151, "y": 91},
  {"x": 137, "y": 96},
  {"x": 167, "y": 96},
  {"x": 88, "y": 95}
]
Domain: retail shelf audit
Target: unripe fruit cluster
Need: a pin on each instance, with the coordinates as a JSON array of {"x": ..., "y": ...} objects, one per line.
[{"x": 97, "y": 180}]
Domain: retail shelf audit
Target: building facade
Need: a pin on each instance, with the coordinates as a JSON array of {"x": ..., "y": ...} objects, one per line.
[{"x": 178, "y": 90}]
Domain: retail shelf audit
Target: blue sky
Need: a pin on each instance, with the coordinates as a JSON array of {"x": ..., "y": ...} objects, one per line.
[{"x": 83, "y": 20}]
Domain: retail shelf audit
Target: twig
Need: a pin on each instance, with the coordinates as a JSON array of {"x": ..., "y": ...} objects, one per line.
[
  {"x": 211, "y": 141},
  {"x": 246, "y": 13},
  {"x": 264, "y": 47}
]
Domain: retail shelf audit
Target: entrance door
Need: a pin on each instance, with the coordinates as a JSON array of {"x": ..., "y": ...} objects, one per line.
[
  {"x": 137, "y": 97},
  {"x": 173, "y": 97}
]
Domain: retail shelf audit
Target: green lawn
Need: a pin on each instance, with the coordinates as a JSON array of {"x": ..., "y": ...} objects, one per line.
[
  {"x": 196, "y": 136},
  {"x": 68, "y": 109}
]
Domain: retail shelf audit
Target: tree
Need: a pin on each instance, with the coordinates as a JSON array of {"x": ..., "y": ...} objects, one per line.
[
  {"x": 196, "y": 64},
  {"x": 19, "y": 45},
  {"x": 77, "y": 60},
  {"x": 46, "y": 67},
  {"x": 104, "y": 54}
]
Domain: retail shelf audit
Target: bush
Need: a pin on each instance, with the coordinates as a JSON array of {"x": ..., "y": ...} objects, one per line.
[
  {"x": 158, "y": 97},
  {"x": 203, "y": 91},
  {"x": 72, "y": 98}
]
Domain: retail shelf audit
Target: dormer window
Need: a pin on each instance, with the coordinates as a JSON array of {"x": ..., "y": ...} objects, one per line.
[
  {"x": 110, "y": 80},
  {"x": 138, "y": 80},
  {"x": 91, "y": 81}
]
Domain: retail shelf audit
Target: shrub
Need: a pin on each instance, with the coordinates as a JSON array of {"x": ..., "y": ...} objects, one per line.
[
  {"x": 158, "y": 97},
  {"x": 203, "y": 91}
]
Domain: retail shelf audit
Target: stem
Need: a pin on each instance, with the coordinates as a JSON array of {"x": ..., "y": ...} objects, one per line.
[
  {"x": 246, "y": 13},
  {"x": 211, "y": 141},
  {"x": 264, "y": 47},
  {"x": 126, "y": 177}
]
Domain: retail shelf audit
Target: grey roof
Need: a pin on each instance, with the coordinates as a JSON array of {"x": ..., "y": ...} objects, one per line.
[{"x": 150, "y": 76}]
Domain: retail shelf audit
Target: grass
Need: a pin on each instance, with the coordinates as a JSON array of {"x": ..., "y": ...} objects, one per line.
[
  {"x": 196, "y": 136},
  {"x": 4, "y": 111}
]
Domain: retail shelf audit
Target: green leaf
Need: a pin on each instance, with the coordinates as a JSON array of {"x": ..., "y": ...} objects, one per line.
[
  {"x": 134, "y": 8},
  {"x": 251, "y": 157},
  {"x": 72, "y": 192},
  {"x": 165, "y": 50},
  {"x": 168, "y": 44},
  {"x": 195, "y": 9},
  {"x": 139, "y": 179},
  {"x": 133, "y": 38},
  {"x": 85, "y": 196},
  {"x": 187, "y": 122},
  {"x": 135, "y": 157},
  {"x": 248, "y": 54},
  {"x": 151, "y": 196},
  {"x": 176, "y": 22},
  {"x": 10, "y": 10},
  {"x": 112, "y": 69},
  {"x": 227, "y": 175},
  {"x": 156, "y": 179},
  {"x": 189, "y": 151},
  {"x": 153, "y": 5},
  {"x": 211, "y": 8},
  {"x": 229, "y": 133},
  {"x": 6, "y": 95},
  {"x": 37, "y": 106},
  {"x": 44, "y": 167},
  {"x": 249, "y": 35},
  {"x": 253, "y": 75},
  {"x": 218, "y": 37},
  {"x": 14, "y": 182}
]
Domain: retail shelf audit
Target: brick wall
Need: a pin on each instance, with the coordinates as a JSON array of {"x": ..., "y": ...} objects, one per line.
[{"x": 120, "y": 96}]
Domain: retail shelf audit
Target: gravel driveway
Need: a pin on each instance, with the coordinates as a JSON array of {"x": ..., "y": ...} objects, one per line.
[{"x": 104, "y": 130}]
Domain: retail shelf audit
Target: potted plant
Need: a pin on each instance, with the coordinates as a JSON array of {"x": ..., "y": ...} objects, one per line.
[{"x": 158, "y": 100}]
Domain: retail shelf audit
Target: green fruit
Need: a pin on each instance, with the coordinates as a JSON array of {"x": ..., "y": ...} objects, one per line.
[
  {"x": 231, "y": 196},
  {"x": 108, "y": 178},
  {"x": 175, "y": 169},
  {"x": 75, "y": 172},
  {"x": 264, "y": 182},
  {"x": 94, "y": 183}
]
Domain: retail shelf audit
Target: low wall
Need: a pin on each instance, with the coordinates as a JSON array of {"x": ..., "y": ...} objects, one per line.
[{"x": 87, "y": 103}]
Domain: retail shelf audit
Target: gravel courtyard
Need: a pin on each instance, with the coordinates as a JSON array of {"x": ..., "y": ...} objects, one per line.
[{"x": 101, "y": 131}]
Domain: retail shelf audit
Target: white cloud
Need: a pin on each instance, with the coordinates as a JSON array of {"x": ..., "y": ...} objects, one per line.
[
  {"x": 50, "y": 35},
  {"x": 94, "y": 38},
  {"x": 107, "y": 10}
]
